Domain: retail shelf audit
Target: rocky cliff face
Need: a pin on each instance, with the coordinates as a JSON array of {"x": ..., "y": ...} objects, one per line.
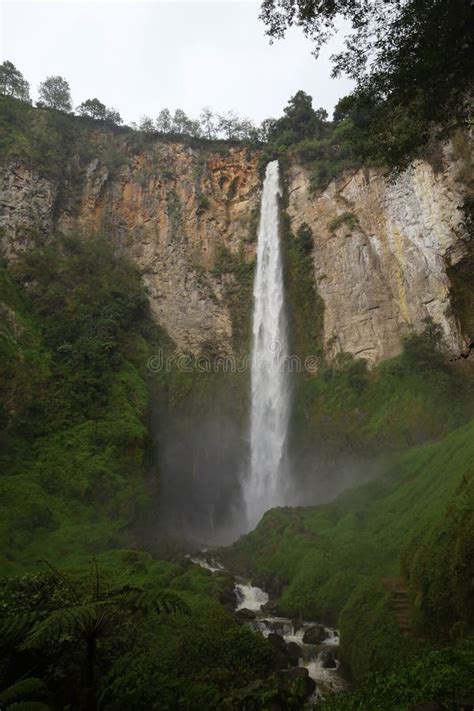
[
  {"x": 185, "y": 216},
  {"x": 188, "y": 218},
  {"x": 381, "y": 254}
]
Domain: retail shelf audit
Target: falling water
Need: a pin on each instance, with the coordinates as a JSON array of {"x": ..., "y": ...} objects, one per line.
[{"x": 270, "y": 393}]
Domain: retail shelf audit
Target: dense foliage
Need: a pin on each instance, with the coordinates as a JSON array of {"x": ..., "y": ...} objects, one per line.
[
  {"x": 331, "y": 562},
  {"x": 75, "y": 443},
  {"x": 412, "y": 62},
  {"x": 133, "y": 633}
]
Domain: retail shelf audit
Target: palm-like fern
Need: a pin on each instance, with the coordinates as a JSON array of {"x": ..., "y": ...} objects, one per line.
[
  {"x": 23, "y": 696},
  {"x": 90, "y": 613}
]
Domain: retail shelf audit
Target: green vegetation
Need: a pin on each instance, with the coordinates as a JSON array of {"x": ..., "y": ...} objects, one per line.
[
  {"x": 346, "y": 219},
  {"x": 436, "y": 674},
  {"x": 306, "y": 309},
  {"x": 75, "y": 446},
  {"x": 390, "y": 48},
  {"x": 238, "y": 292},
  {"x": 102, "y": 639},
  {"x": 329, "y": 563},
  {"x": 402, "y": 402}
]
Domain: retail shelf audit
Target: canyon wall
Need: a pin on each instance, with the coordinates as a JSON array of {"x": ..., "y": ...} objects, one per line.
[
  {"x": 187, "y": 216},
  {"x": 382, "y": 252}
]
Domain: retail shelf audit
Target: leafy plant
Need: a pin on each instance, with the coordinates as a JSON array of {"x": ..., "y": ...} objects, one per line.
[{"x": 89, "y": 612}]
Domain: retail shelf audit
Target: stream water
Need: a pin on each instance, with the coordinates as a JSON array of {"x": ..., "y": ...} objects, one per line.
[{"x": 320, "y": 659}]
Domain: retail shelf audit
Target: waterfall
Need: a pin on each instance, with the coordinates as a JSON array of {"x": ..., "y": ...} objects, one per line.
[{"x": 270, "y": 399}]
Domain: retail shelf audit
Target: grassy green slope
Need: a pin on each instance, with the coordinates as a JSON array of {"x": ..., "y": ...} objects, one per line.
[{"x": 328, "y": 563}]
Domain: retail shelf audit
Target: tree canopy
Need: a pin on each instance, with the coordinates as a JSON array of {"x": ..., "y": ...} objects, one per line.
[
  {"x": 13, "y": 83},
  {"x": 412, "y": 62},
  {"x": 55, "y": 93},
  {"x": 95, "y": 109}
]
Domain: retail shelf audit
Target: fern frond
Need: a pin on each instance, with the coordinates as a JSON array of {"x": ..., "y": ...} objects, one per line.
[
  {"x": 152, "y": 600},
  {"x": 13, "y": 629},
  {"x": 29, "y": 706},
  {"x": 22, "y": 690},
  {"x": 63, "y": 578},
  {"x": 80, "y": 619}
]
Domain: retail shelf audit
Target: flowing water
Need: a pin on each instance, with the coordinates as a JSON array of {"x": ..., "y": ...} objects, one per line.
[
  {"x": 270, "y": 400},
  {"x": 314, "y": 657}
]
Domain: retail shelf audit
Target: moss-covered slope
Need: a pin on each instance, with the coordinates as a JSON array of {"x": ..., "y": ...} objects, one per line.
[{"x": 332, "y": 562}]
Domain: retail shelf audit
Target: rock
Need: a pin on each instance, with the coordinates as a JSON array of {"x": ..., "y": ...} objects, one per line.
[
  {"x": 387, "y": 277},
  {"x": 315, "y": 634},
  {"x": 297, "y": 674},
  {"x": 401, "y": 231},
  {"x": 245, "y": 614},
  {"x": 297, "y": 625},
  {"x": 228, "y": 598},
  {"x": 464, "y": 704},
  {"x": 270, "y": 607},
  {"x": 328, "y": 660},
  {"x": 281, "y": 658},
  {"x": 294, "y": 653},
  {"x": 277, "y": 641}
]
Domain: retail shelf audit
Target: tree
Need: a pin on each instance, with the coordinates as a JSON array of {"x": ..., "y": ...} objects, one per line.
[
  {"x": 299, "y": 122},
  {"x": 412, "y": 60},
  {"x": 55, "y": 93},
  {"x": 425, "y": 350},
  {"x": 113, "y": 116},
  {"x": 88, "y": 611},
  {"x": 229, "y": 125},
  {"x": 267, "y": 128},
  {"x": 93, "y": 108},
  {"x": 207, "y": 120},
  {"x": 12, "y": 82},
  {"x": 164, "y": 121},
  {"x": 184, "y": 125},
  {"x": 146, "y": 125}
]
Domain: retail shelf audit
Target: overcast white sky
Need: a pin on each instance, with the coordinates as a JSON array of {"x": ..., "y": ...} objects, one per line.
[{"x": 140, "y": 57}]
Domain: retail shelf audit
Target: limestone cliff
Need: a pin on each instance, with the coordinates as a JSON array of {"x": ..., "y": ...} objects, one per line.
[
  {"x": 382, "y": 251},
  {"x": 187, "y": 215},
  {"x": 177, "y": 211}
]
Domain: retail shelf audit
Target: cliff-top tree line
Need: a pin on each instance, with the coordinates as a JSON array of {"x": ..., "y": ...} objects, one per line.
[
  {"x": 411, "y": 61},
  {"x": 55, "y": 93}
]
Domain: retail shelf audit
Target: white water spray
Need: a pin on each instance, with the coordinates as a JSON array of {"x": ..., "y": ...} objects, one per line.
[{"x": 270, "y": 403}]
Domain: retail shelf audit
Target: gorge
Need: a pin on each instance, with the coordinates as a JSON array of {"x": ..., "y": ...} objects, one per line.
[{"x": 152, "y": 289}]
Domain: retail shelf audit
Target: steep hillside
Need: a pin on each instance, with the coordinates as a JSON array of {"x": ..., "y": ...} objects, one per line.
[
  {"x": 341, "y": 562},
  {"x": 75, "y": 447}
]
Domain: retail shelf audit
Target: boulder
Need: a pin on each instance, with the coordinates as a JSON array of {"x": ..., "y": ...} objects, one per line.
[
  {"x": 294, "y": 653},
  {"x": 300, "y": 674},
  {"x": 228, "y": 598},
  {"x": 281, "y": 658},
  {"x": 315, "y": 634},
  {"x": 270, "y": 607},
  {"x": 245, "y": 614},
  {"x": 328, "y": 660},
  {"x": 464, "y": 704}
]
